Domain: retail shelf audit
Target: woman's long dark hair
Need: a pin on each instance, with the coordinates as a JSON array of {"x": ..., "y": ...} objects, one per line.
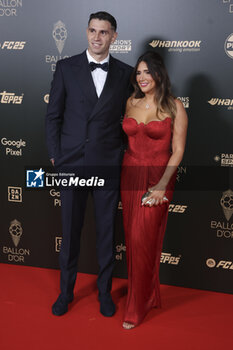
[{"x": 163, "y": 97}]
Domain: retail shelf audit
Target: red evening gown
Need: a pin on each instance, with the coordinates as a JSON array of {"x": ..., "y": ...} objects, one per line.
[{"x": 149, "y": 149}]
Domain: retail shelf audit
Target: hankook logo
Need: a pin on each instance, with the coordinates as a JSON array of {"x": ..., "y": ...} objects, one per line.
[
  {"x": 227, "y": 102},
  {"x": 177, "y": 45}
]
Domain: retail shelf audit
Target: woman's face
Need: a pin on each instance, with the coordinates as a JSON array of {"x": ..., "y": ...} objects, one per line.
[{"x": 144, "y": 79}]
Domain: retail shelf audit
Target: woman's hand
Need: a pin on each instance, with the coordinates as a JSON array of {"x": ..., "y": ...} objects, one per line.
[{"x": 157, "y": 196}]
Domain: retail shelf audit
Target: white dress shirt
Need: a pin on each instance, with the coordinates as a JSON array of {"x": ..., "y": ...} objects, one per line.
[{"x": 98, "y": 75}]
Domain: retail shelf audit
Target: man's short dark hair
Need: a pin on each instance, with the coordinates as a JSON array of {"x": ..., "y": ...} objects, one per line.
[{"x": 104, "y": 16}]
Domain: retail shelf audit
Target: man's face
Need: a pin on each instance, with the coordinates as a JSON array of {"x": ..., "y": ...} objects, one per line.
[{"x": 100, "y": 36}]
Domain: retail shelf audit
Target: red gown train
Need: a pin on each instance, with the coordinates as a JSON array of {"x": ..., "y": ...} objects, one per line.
[{"x": 149, "y": 149}]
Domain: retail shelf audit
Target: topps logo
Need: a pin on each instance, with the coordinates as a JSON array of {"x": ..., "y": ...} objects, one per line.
[
  {"x": 169, "y": 259},
  {"x": 10, "y": 97},
  {"x": 13, "y": 45}
]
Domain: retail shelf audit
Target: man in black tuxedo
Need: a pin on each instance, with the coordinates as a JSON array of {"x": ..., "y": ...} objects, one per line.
[{"x": 87, "y": 99}]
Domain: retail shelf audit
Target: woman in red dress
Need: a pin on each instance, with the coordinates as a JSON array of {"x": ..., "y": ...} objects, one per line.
[{"x": 155, "y": 124}]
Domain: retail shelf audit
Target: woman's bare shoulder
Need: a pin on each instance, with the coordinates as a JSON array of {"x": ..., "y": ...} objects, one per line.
[{"x": 132, "y": 101}]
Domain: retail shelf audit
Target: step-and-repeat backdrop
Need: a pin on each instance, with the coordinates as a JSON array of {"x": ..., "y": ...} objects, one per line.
[{"x": 196, "y": 40}]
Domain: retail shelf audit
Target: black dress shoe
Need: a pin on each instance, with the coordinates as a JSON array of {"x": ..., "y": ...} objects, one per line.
[
  {"x": 107, "y": 306},
  {"x": 60, "y": 307}
]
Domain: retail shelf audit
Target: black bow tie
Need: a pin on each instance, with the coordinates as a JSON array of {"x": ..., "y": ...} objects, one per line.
[{"x": 103, "y": 66}]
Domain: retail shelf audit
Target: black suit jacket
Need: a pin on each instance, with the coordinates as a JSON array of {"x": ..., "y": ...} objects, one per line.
[{"x": 81, "y": 128}]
